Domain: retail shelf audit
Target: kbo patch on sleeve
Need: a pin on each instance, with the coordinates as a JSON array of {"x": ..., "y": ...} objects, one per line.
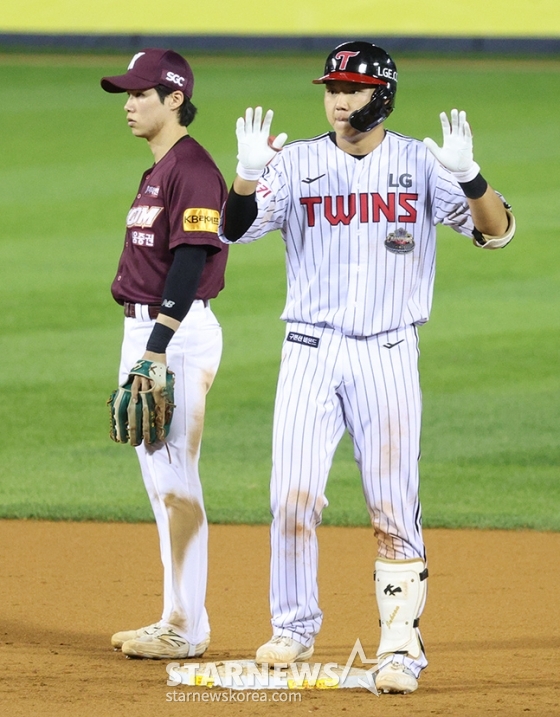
[{"x": 201, "y": 220}]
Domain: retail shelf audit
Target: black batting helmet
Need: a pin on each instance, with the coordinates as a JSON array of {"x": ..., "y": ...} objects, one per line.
[{"x": 367, "y": 64}]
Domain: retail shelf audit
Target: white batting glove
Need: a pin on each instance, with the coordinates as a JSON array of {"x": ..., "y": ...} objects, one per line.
[
  {"x": 255, "y": 146},
  {"x": 457, "y": 151}
]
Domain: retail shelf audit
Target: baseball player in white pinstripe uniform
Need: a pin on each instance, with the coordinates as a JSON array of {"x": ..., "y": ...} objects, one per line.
[{"x": 357, "y": 208}]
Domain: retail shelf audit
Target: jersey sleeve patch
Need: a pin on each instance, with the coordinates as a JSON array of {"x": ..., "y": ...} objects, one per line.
[{"x": 201, "y": 220}]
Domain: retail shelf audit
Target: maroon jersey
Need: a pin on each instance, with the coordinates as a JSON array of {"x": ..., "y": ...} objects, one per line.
[{"x": 178, "y": 202}]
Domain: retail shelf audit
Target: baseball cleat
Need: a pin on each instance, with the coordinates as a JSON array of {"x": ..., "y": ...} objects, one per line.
[
  {"x": 396, "y": 678},
  {"x": 163, "y": 643},
  {"x": 119, "y": 638},
  {"x": 282, "y": 650}
]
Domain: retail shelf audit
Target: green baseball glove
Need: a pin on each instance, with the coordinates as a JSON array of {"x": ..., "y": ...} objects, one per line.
[{"x": 149, "y": 419}]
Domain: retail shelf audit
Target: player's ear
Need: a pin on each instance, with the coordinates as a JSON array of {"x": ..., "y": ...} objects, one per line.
[{"x": 175, "y": 99}]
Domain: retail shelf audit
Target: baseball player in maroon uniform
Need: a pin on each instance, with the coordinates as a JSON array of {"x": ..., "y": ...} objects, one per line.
[
  {"x": 358, "y": 209},
  {"x": 172, "y": 264}
]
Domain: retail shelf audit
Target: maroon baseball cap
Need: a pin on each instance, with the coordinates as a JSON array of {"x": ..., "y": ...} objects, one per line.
[{"x": 152, "y": 67}]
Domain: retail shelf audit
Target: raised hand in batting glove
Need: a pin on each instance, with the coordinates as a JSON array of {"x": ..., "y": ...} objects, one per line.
[
  {"x": 255, "y": 145},
  {"x": 142, "y": 408},
  {"x": 457, "y": 151}
]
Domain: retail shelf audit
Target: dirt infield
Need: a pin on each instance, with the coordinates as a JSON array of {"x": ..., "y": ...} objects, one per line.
[{"x": 491, "y": 626}]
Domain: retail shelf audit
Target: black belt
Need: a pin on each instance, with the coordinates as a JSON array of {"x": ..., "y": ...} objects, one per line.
[{"x": 130, "y": 310}]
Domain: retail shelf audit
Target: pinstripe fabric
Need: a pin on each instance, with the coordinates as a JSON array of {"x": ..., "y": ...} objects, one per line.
[
  {"x": 340, "y": 273},
  {"x": 355, "y": 297},
  {"x": 372, "y": 391}
]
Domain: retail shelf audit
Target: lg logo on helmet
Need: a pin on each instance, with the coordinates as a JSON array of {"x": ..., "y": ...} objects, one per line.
[
  {"x": 176, "y": 79},
  {"x": 387, "y": 72},
  {"x": 345, "y": 56}
]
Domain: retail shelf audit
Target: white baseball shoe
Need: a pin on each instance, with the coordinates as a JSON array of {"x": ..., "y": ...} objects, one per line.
[
  {"x": 397, "y": 678},
  {"x": 283, "y": 650},
  {"x": 163, "y": 643},
  {"x": 121, "y": 637}
]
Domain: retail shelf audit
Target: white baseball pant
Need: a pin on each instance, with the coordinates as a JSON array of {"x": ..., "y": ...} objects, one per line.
[
  {"x": 170, "y": 471},
  {"x": 370, "y": 387}
]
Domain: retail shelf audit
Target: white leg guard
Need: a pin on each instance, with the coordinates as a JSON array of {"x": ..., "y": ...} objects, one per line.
[{"x": 400, "y": 589}]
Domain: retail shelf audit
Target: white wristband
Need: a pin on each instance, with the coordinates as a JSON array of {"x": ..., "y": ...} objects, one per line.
[
  {"x": 251, "y": 175},
  {"x": 468, "y": 174}
]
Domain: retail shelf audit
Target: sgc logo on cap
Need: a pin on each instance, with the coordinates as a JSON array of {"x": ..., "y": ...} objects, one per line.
[{"x": 176, "y": 79}]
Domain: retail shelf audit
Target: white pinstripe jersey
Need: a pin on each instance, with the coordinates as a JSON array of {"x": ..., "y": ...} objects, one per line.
[{"x": 336, "y": 214}]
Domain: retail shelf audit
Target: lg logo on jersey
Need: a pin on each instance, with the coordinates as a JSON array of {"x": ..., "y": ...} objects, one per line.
[{"x": 404, "y": 180}]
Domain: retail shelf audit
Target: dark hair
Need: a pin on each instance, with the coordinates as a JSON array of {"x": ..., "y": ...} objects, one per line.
[{"x": 187, "y": 110}]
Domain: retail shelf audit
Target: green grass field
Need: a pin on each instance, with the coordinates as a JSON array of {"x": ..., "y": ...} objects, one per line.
[{"x": 490, "y": 361}]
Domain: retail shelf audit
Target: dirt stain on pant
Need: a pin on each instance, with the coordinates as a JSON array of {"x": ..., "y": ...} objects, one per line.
[
  {"x": 195, "y": 434},
  {"x": 196, "y": 426},
  {"x": 186, "y": 516},
  {"x": 298, "y": 518}
]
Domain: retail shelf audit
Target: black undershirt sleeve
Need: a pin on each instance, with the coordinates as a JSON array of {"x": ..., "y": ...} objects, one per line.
[
  {"x": 239, "y": 213},
  {"x": 179, "y": 291},
  {"x": 182, "y": 280}
]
